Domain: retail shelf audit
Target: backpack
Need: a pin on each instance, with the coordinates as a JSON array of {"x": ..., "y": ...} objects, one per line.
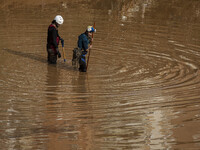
[{"x": 76, "y": 56}]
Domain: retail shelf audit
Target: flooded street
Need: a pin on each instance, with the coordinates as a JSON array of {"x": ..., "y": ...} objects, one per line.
[{"x": 141, "y": 90}]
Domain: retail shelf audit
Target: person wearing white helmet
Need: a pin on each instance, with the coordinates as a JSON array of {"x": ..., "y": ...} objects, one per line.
[
  {"x": 53, "y": 39},
  {"x": 84, "y": 43}
]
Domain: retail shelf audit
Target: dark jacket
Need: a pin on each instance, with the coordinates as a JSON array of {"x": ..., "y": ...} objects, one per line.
[
  {"x": 52, "y": 37},
  {"x": 83, "y": 41}
]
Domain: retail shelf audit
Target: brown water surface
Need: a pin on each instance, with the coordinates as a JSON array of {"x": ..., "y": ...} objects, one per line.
[{"x": 141, "y": 91}]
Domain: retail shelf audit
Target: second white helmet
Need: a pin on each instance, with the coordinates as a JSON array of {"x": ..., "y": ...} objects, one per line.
[{"x": 59, "y": 19}]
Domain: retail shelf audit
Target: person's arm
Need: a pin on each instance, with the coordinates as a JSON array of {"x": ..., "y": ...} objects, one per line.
[
  {"x": 54, "y": 37},
  {"x": 61, "y": 39},
  {"x": 79, "y": 43},
  {"x": 85, "y": 43}
]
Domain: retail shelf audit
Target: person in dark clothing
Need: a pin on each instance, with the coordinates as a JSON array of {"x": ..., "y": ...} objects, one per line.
[
  {"x": 84, "y": 41},
  {"x": 53, "y": 39}
]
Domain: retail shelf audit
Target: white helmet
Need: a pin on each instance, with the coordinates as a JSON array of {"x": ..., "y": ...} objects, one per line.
[{"x": 59, "y": 19}]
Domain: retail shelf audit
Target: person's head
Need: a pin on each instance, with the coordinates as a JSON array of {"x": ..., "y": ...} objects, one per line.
[
  {"x": 90, "y": 30},
  {"x": 58, "y": 20}
]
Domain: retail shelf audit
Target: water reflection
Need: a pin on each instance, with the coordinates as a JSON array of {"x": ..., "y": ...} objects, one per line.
[
  {"x": 67, "y": 126},
  {"x": 84, "y": 110},
  {"x": 52, "y": 83},
  {"x": 79, "y": 83},
  {"x": 53, "y": 115}
]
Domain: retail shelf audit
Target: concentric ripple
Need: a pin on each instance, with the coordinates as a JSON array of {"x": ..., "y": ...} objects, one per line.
[{"x": 170, "y": 63}]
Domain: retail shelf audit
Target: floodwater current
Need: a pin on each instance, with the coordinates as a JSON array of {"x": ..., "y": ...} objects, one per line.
[{"x": 141, "y": 90}]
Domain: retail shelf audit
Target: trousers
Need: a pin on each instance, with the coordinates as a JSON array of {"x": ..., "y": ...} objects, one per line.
[
  {"x": 52, "y": 57},
  {"x": 82, "y": 63}
]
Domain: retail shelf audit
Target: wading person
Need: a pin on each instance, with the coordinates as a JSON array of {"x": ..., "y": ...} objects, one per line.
[
  {"x": 53, "y": 39},
  {"x": 84, "y": 43}
]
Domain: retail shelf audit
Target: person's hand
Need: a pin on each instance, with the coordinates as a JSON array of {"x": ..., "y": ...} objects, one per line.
[
  {"x": 84, "y": 52},
  {"x": 59, "y": 55},
  {"x": 90, "y": 46},
  {"x": 58, "y": 52}
]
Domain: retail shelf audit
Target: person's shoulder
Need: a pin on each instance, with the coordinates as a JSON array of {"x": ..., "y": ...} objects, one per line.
[
  {"x": 82, "y": 36},
  {"x": 51, "y": 27}
]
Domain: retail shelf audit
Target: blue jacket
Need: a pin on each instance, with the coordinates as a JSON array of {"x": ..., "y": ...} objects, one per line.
[{"x": 83, "y": 41}]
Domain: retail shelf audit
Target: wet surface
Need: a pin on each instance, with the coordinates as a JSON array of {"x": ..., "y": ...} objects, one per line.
[{"x": 141, "y": 91}]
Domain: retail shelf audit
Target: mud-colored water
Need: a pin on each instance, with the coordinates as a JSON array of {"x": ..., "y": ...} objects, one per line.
[{"x": 141, "y": 91}]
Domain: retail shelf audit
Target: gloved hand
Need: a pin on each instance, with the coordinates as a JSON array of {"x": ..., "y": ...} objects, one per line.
[
  {"x": 90, "y": 46},
  {"x": 58, "y": 53},
  {"x": 61, "y": 39},
  {"x": 84, "y": 52}
]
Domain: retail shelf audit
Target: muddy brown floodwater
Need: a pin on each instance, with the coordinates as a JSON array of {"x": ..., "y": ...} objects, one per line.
[{"x": 141, "y": 90}]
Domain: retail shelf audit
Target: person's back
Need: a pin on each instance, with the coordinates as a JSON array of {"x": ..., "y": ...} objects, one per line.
[{"x": 83, "y": 41}]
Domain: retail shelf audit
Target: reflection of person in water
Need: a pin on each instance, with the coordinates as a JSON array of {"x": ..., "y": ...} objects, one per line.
[
  {"x": 79, "y": 83},
  {"x": 84, "y": 124},
  {"x": 52, "y": 112},
  {"x": 52, "y": 82}
]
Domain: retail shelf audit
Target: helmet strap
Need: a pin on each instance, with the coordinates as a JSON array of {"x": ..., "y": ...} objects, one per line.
[
  {"x": 86, "y": 32},
  {"x": 56, "y": 24}
]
